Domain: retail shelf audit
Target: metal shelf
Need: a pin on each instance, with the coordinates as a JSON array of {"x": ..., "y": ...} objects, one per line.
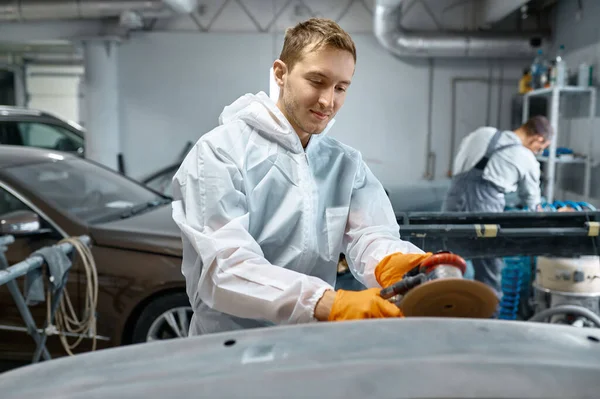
[
  {"x": 576, "y": 160},
  {"x": 551, "y": 160},
  {"x": 564, "y": 89}
]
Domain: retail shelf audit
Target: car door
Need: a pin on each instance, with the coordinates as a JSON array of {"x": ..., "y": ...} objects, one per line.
[{"x": 14, "y": 340}]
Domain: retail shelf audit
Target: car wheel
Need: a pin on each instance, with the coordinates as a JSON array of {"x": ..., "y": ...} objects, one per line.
[{"x": 166, "y": 317}]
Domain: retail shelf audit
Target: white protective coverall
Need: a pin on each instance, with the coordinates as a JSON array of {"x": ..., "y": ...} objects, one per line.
[{"x": 263, "y": 220}]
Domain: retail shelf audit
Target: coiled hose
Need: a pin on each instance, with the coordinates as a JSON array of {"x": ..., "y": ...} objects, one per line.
[
  {"x": 566, "y": 309},
  {"x": 66, "y": 319}
]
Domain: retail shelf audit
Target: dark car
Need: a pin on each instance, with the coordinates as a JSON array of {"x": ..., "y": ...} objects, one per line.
[
  {"x": 34, "y": 128},
  {"x": 135, "y": 243}
]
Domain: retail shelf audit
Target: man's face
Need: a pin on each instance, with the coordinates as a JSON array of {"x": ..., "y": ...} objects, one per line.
[
  {"x": 315, "y": 89},
  {"x": 537, "y": 143}
]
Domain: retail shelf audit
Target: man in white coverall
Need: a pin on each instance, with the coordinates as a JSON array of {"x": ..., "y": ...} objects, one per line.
[
  {"x": 266, "y": 202},
  {"x": 491, "y": 163}
]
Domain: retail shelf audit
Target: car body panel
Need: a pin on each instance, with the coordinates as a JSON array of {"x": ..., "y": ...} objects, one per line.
[
  {"x": 140, "y": 233},
  {"x": 378, "y": 358},
  {"x": 127, "y": 278}
]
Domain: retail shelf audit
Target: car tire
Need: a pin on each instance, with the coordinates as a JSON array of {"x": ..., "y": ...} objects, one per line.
[{"x": 165, "y": 317}]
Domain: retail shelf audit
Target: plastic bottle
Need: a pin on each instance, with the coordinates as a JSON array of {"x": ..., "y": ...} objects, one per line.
[
  {"x": 537, "y": 70},
  {"x": 552, "y": 73},
  {"x": 561, "y": 67},
  {"x": 583, "y": 76},
  {"x": 525, "y": 82}
]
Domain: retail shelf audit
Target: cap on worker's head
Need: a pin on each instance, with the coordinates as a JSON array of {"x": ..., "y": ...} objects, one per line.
[{"x": 539, "y": 125}]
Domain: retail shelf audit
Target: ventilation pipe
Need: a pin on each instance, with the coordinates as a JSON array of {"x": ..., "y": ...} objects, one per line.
[
  {"x": 36, "y": 10},
  {"x": 398, "y": 41}
]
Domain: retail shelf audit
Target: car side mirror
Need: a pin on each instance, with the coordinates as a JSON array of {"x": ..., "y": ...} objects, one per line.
[{"x": 19, "y": 223}]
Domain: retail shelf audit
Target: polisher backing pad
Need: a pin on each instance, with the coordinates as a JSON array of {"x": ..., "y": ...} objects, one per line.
[{"x": 453, "y": 297}]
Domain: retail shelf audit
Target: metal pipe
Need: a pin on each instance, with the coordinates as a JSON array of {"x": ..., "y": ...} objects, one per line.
[
  {"x": 488, "y": 111},
  {"x": 400, "y": 42},
  {"x": 34, "y": 262},
  {"x": 429, "y": 155},
  {"x": 13, "y": 289},
  {"x": 551, "y": 164},
  {"x": 499, "y": 217},
  {"x": 500, "y": 93},
  {"x": 6, "y": 240},
  {"x": 588, "y": 166},
  {"x": 42, "y": 331},
  {"x": 452, "y": 128},
  {"x": 490, "y": 231},
  {"x": 36, "y": 10}
]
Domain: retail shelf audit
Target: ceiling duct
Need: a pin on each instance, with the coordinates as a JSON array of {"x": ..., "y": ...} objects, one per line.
[
  {"x": 36, "y": 10},
  {"x": 398, "y": 41}
]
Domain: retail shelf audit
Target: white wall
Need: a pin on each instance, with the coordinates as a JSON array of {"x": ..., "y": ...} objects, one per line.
[
  {"x": 578, "y": 31},
  {"x": 54, "y": 89},
  {"x": 174, "y": 85},
  {"x": 175, "y": 81}
]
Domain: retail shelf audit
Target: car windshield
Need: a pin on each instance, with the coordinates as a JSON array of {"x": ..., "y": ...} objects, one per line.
[{"x": 85, "y": 190}]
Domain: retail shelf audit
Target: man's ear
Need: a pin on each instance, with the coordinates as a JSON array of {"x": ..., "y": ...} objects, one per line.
[{"x": 279, "y": 72}]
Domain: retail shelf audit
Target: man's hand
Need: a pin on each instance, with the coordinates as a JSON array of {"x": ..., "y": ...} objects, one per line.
[
  {"x": 324, "y": 305},
  {"x": 566, "y": 209},
  {"x": 393, "y": 267},
  {"x": 354, "y": 305}
]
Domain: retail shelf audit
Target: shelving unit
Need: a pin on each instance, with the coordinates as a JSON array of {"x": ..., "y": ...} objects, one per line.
[
  {"x": 556, "y": 95},
  {"x": 583, "y": 160}
]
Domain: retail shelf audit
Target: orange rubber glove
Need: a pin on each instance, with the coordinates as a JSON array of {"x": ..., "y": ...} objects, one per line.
[
  {"x": 366, "y": 304},
  {"x": 393, "y": 267}
]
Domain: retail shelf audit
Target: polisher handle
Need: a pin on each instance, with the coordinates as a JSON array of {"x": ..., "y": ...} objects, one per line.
[{"x": 443, "y": 258}]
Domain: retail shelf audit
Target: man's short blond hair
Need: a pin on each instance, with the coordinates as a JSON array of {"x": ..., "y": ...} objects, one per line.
[{"x": 311, "y": 35}]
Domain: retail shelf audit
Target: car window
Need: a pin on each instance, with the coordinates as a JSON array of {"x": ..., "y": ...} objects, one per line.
[
  {"x": 81, "y": 188},
  {"x": 10, "y": 203},
  {"x": 43, "y": 135},
  {"x": 36, "y": 134}
]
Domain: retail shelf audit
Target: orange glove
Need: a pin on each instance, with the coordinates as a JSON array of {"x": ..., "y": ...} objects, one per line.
[
  {"x": 366, "y": 304},
  {"x": 393, "y": 267}
]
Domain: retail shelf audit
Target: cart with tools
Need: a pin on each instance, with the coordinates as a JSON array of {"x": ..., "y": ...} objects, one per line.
[
  {"x": 481, "y": 235},
  {"x": 565, "y": 269}
]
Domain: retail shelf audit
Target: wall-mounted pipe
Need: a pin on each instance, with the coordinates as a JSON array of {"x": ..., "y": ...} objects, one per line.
[
  {"x": 429, "y": 154},
  {"x": 30, "y": 10},
  {"x": 394, "y": 38}
]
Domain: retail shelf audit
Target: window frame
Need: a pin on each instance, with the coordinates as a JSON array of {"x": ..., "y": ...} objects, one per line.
[{"x": 48, "y": 121}]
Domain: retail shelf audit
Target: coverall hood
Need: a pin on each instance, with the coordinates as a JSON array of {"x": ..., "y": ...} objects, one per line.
[{"x": 261, "y": 113}]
